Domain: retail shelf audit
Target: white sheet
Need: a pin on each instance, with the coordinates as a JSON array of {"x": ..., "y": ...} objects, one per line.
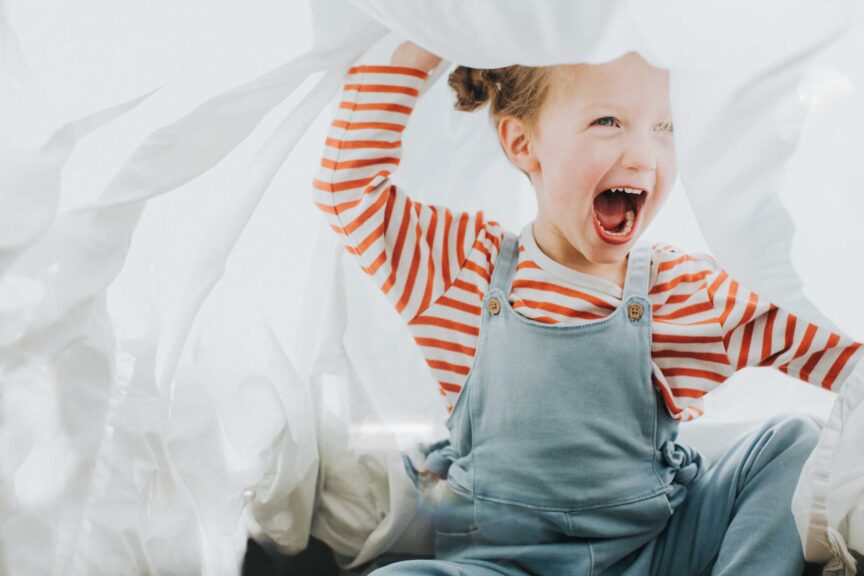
[{"x": 149, "y": 420}]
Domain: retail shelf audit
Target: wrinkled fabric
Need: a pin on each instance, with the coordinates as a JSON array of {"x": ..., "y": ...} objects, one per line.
[
  {"x": 828, "y": 500},
  {"x": 110, "y": 401},
  {"x": 686, "y": 461}
]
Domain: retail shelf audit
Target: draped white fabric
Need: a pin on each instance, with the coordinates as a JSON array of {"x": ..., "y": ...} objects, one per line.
[{"x": 175, "y": 375}]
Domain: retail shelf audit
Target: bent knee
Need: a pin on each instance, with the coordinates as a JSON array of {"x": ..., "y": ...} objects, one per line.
[
  {"x": 797, "y": 429},
  {"x": 424, "y": 567}
]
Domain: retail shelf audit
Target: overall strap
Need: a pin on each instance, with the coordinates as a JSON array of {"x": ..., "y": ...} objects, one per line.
[
  {"x": 638, "y": 271},
  {"x": 505, "y": 265}
]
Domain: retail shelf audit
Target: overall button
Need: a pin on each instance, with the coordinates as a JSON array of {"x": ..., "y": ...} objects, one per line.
[
  {"x": 634, "y": 311},
  {"x": 494, "y": 306}
]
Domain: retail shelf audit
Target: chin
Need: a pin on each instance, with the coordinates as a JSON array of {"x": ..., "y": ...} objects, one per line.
[{"x": 611, "y": 254}]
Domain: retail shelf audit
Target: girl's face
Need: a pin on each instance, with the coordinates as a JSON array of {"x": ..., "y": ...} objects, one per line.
[{"x": 605, "y": 126}]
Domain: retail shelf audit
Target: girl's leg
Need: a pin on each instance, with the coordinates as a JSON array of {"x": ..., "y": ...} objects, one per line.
[
  {"x": 442, "y": 568},
  {"x": 737, "y": 518}
]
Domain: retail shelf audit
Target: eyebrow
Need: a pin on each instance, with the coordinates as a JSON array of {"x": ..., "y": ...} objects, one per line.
[
  {"x": 605, "y": 107},
  {"x": 609, "y": 109}
]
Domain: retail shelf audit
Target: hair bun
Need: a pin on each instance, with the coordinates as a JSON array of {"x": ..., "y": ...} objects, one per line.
[
  {"x": 473, "y": 87},
  {"x": 516, "y": 90}
]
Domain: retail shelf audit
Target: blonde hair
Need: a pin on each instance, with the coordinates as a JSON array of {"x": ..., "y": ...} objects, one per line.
[{"x": 519, "y": 91}]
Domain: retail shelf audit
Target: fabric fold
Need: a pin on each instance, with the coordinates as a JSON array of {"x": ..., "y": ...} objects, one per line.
[{"x": 145, "y": 432}]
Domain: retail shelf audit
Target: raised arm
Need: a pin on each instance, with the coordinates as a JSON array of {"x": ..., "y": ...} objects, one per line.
[
  {"x": 412, "y": 251},
  {"x": 758, "y": 333}
]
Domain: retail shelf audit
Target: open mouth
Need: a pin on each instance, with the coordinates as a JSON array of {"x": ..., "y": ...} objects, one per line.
[{"x": 616, "y": 211}]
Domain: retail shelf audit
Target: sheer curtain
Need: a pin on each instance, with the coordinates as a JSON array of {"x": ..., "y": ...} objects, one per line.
[{"x": 186, "y": 354}]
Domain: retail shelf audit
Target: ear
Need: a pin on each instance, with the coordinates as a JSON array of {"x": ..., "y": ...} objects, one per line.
[{"x": 517, "y": 142}]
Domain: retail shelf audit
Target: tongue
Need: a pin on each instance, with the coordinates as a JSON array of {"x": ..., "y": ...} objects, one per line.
[{"x": 611, "y": 209}]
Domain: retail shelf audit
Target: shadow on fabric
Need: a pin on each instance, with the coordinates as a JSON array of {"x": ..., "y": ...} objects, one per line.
[{"x": 317, "y": 560}]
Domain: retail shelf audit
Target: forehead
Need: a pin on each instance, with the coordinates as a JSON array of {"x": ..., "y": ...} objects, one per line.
[{"x": 626, "y": 82}]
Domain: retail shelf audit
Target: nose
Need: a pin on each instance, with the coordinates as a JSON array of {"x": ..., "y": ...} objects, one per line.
[{"x": 639, "y": 153}]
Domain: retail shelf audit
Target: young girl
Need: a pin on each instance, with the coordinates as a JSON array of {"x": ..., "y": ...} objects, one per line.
[{"x": 569, "y": 354}]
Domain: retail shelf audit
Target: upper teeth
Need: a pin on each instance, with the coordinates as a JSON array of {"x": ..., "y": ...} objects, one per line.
[{"x": 628, "y": 190}]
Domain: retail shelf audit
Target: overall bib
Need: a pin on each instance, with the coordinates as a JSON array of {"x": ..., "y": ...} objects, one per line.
[{"x": 562, "y": 458}]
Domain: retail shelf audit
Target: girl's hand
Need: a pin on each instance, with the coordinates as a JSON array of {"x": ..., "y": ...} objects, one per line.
[
  {"x": 428, "y": 479},
  {"x": 411, "y": 55}
]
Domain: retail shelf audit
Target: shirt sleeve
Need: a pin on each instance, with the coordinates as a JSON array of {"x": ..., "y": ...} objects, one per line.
[
  {"x": 412, "y": 251},
  {"x": 758, "y": 333}
]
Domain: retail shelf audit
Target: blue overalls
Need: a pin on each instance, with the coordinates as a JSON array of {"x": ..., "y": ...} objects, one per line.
[{"x": 563, "y": 459}]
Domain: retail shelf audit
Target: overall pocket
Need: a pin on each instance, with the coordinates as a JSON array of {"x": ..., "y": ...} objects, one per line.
[
  {"x": 640, "y": 516},
  {"x": 455, "y": 514}
]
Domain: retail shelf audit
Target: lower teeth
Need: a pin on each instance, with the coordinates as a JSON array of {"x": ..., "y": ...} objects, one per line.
[{"x": 631, "y": 217}]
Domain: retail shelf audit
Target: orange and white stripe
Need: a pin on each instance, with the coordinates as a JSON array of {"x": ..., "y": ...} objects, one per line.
[{"x": 435, "y": 265}]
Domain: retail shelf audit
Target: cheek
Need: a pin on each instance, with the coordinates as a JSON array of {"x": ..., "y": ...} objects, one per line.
[
  {"x": 668, "y": 164},
  {"x": 665, "y": 181},
  {"x": 576, "y": 175},
  {"x": 663, "y": 191}
]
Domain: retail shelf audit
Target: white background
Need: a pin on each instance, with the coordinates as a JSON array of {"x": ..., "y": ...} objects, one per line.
[{"x": 68, "y": 59}]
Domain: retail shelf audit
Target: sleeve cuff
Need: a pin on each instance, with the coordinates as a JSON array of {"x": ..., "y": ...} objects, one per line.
[{"x": 389, "y": 70}]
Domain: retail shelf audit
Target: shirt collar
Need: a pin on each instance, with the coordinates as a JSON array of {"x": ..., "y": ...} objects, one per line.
[{"x": 561, "y": 272}]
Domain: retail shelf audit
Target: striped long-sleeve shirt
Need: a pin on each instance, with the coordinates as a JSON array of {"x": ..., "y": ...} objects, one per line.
[{"x": 435, "y": 265}]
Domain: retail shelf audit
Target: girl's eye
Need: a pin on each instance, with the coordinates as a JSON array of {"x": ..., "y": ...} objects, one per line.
[
  {"x": 666, "y": 126},
  {"x": 606, "y": 121}
]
